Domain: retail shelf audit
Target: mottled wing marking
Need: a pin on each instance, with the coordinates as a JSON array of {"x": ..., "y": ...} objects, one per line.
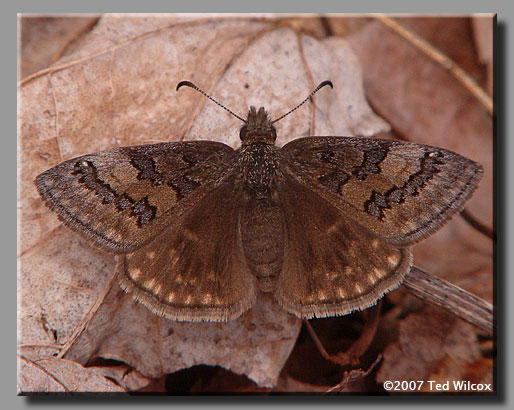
[{"x": 401, "y": 191}]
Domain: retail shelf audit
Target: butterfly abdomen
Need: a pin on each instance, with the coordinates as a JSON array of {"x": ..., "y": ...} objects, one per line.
[{"x": 262, "y": 235}]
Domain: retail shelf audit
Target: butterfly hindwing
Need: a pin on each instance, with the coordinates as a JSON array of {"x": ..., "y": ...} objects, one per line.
[
  {"x": 332, "y": 265},
  {"x": 119, "y": 198},
  {"x": 196, "y": 270},
  {"x": 401, "y": 191}
]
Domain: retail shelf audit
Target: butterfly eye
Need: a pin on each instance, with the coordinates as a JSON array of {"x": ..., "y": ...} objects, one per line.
[
  {"x": 243, "y": 131},
  {"x": 273, "y": 133}
]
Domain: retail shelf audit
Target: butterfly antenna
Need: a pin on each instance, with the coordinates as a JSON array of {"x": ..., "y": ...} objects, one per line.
[
  {"x": 190, "y": 84},
  {"x": 319, "y": 87}
]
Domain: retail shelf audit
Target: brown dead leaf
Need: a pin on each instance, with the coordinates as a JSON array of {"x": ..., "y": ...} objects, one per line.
[
  {"x": 311, "y": 26},
  {"x": 124, "y": 376},
  {"x": 257, "y": 344},
  {"x": 43, "y": 39},
  {"x": 118, "y": 89},
  {"x": 59, "y": 281},
  {"x": 432, "y": 345},
  {"x": 483, "y": 36},
  {"x": 453, "y": 36},
  {"x": 344, "y": 27},
  {"x": 480, "y": 371},
  {"x": 61, "y": 376}
]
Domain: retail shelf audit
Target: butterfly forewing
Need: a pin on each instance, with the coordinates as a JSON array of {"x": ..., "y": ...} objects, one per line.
[
  {"x": 120, "y": 198},
  {"x": 401, "y": 191}
]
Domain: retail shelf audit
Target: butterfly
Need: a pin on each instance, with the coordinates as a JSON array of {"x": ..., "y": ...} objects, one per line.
[{"x": 324, "y": 223}]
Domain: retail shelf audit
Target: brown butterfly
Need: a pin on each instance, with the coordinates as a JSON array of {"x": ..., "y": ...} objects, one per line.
[{"x": 323, "y": 223}]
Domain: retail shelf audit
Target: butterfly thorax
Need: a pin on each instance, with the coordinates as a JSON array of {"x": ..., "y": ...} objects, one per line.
[
  {"x": 258, "y": 156},
  {"x": 259, "y": 169}
]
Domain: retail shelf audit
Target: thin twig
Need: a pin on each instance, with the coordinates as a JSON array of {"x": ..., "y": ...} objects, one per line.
[
  {"x": 351, "y": 355},
  {"x": 75, "y": 37},
  {"x": 353, "y": 376},
  {"x": 39, "y": 346},
  {"x": 463, "y": 304},
  {"x": 479, "y": 226},
  {"x": 446, "y": 62},
  {"x": 317, "y": 342}
]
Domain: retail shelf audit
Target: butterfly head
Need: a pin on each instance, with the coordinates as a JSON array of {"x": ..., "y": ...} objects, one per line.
[{"x": 258, "y": 127}]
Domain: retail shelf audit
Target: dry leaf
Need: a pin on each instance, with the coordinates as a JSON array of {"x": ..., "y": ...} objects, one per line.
[
  {"x": 432, "y": 345},
  {"x": 453, "y": 36},
  {"x": 60, "y": 280},
  {"x": 483, "y": 35},
  {"x": 43, "y": 39},
  {"x": 61, "y": 376},
  {"x": 257, "y": 344},
  {"x": 124, "y": 376},
  {"x": 118, "y": 89}
]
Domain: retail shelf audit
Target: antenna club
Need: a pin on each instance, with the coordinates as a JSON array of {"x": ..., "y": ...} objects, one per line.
[
  {"x": 326, "y": 82},
  {"x": 193, "y": 86},
  {"x": 185, "y": 84}
]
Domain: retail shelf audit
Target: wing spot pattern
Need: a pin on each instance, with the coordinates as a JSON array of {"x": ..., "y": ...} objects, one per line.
[{"x": 135, "y": 273}]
